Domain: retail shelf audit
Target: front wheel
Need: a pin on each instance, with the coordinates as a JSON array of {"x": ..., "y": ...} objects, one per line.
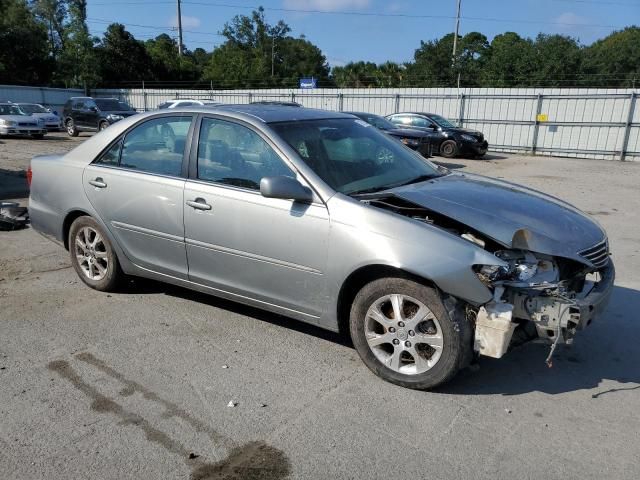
[
  {"x": 92, "y": 255},
  {"x": 403, "y": 333},
  {"x": 72, "y": 130},
  {"x": 103, "y": 125},
  {"x": 449, "y": 149}
]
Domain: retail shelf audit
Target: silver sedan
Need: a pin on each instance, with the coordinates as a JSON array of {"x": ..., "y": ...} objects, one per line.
[{"x": 318, "y": 216}]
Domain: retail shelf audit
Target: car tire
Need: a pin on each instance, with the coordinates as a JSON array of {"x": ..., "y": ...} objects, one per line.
[
  {"x": 449, "y": 149},
  {"x": 103, "y": 125},
  {"x": 71, "y": 128},
  {"x": 92, "y": 255},
  {"x": 418, "y": 353}
]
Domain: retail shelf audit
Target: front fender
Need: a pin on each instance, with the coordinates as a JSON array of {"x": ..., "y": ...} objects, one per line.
[{"x": 363, "y": 235}]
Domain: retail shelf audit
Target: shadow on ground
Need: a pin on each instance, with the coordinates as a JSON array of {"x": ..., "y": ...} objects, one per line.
[
  {"x": 13, "y": 184},
  {"x": 606, "y": 351}
]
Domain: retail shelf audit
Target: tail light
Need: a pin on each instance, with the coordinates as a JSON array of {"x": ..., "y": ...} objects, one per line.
[{"x": 29, "y": 176}]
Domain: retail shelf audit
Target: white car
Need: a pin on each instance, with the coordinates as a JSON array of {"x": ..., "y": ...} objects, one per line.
[
  {"x": 14, "y": 121},
  {"x": 51, "y": 120},
  {"x": 186, "y": 103}
]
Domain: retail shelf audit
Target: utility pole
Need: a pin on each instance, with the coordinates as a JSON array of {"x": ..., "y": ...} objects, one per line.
[
  {"x": 453, "y": 56},
  {"x": 179, "y": 30},
  {"x": 455, "y": 36}
]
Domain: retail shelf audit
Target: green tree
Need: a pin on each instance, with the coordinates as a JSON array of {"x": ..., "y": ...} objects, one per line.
[
  {"x": 510, "y": 62},
  {"x": 356, "y": 75},
  {"x": 24, "y": 53},
  {"x": 254, "y": 49},
  {"x": 614, "y": 61},
  {"x": 167, "y": 64},
  {"x": 121, "y": 57},
  {"x": 77, "y": 62},
  {"x": 52, "y": 13},
  {"x": 557, "y": 61}
]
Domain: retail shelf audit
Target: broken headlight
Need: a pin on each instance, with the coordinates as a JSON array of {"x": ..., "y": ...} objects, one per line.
[{"x": 488, "y": 274}]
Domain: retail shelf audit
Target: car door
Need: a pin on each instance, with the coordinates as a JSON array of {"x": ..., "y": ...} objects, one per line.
[
  {"x": 79, "y": 113},
  {"x": 430, "y": 128},
  {"x": 137, "y": 188},
  {"x": 270, "y": 250}
]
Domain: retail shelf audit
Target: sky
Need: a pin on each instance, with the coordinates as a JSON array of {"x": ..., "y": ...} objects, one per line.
[{"x": 370, "y": 30}]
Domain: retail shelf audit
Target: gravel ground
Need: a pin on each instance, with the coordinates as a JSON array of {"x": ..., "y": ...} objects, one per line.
[{"x": 137, "y": 384}]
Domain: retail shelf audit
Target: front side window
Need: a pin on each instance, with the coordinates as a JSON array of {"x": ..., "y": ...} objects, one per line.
[
  {"x": 420, "y": 122},
  {"x": 236, "y": 155},
  {"x": 156, "y": 146},
  {"x": 353, "y": 157}
]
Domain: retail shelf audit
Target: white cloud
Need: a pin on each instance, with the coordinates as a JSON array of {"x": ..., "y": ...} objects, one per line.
[
  {"x": 327, "y": 5},
  {"x": 187, "y": 22}
]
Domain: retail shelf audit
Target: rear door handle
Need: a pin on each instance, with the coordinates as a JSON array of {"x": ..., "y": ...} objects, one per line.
[
  {"x": 199, "y": 204},
  {"x": 98, "y": 183}
]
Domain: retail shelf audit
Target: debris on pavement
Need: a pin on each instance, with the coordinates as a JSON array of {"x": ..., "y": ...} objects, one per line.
[
  {"x": 13, "y": 216},
  {"x": 232, "y": 403}
]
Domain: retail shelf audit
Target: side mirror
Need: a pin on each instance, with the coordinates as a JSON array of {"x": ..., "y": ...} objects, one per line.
[{"x": 286, "y": 188}]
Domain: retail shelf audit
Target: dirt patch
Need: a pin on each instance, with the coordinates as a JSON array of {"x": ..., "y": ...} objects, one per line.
[{"x": 252, "y": 461}]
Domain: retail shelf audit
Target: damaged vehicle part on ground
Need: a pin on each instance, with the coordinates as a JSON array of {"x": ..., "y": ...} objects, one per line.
[{"x": 319, "y": 216}]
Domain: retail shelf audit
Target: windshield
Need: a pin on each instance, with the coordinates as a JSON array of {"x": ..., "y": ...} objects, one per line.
[
  {"x": 108, "y": 104},
  {"x": 32, "y": 108},
  {"x": 441, "y": 121},
  {"x": 6, "y": 109},
  {"x": 377, "y": 121},
  {"x": 125, "y": 107},
  {"x": 353, "y": 157}
]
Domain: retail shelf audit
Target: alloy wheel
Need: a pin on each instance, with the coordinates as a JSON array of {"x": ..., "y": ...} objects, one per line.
[
  {"x": 403, "y": 334},
  {"x": 91, "y": 253}
]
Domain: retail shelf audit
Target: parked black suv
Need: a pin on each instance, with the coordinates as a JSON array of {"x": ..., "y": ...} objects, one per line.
[
  {"x": 447, "y": 139},
  {"x": 86, "y": 114},
  {"x": 411, "y": 137}
]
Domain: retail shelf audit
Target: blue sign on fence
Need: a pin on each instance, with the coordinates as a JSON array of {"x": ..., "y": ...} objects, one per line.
[{"x": 308, "y": 83}]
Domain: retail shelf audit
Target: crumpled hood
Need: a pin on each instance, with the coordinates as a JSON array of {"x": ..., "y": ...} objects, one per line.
[{"x": 501, "y": 210}]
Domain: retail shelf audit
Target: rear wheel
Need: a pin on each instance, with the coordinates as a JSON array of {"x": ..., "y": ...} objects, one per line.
[
  {"x": 403, "y": 333},
  {"x": 72, "y": 130},
  {"x": 92, "y": 255},
  {"x": 449, "y": 149}
]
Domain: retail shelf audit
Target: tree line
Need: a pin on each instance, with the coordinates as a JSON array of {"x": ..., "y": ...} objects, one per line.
[{"x": 47, "y": 42}]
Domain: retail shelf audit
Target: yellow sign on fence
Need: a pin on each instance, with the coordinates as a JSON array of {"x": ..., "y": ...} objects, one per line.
[{"x": 542, "y": 117}]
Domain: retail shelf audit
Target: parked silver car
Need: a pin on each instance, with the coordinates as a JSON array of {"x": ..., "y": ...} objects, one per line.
[
  {"x": 52, "y": 122},
  {"x": 15, "y": 121},
  {"x": 319, "y": 216}
]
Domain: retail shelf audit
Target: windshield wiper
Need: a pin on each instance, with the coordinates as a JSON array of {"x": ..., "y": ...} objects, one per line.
[{"x": 418, "y": 179}]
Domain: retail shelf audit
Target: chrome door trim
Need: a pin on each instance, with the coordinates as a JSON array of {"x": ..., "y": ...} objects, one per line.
[
  {"x": 146, "y": 231},
  {"x": 252, "y": 256}
]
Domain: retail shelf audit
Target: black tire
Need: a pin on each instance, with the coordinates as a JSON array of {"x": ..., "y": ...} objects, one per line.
[
  {"x": 449, "y": 149},
  {"x": 71, "y": 128},
  {"x": 103, "y": 125},
  {"x": 114, "y": 275},
  {"x": 456, "y": 349}
]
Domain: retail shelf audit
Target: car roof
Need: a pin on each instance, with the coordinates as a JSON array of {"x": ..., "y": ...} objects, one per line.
[
  {"x": 425, "y": 114},
  {"x": 279, "y": 113}
]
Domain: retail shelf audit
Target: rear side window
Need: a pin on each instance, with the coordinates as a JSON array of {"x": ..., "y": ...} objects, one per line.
[
  {"x": 78, "y": 105},
  {"x": 156, "y": 146}
]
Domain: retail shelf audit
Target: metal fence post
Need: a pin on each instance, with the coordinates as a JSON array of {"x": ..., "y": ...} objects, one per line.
[
  {"x": 461, "y": 110},
  {"x": 627, "y": 127},
  {"x": 250, "y": 97},
  {"x": 536, "y": 127},
  {"x": 293, "y": 96},
  {"x": 144, "y": 97},
  {"x": 340, "y": 102},
  {"x": 397, "y": 105}
]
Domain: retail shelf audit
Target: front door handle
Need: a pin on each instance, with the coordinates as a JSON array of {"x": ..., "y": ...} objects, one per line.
[
  {"x": 98, "y": 183},
  {"x": 199, "y": 204}
]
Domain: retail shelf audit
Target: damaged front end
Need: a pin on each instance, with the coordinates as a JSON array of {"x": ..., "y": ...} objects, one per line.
[
  {"x": 535, "y": 295},
  {"x": 557, "y": 296}
]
